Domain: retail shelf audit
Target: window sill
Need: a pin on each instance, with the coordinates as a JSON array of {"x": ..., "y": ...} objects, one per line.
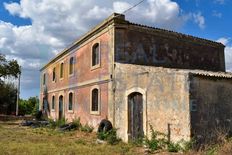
[
  {"x": 95, "y": 112},
  {"x": 95, "y": 67},
  {"x": 61, "y": 79},
  {"x": 70, "y": 111},
  {"x": 53, "y": 110},
  {"x": 71, "y": 75},
  {"x": 54, "y": 81}
]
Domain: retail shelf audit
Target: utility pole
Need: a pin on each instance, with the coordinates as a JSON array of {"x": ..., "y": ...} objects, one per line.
[{"x": 18, "y": 92}]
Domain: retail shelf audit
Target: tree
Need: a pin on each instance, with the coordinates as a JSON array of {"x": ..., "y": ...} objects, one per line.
[
  {"x": 8, "y": 91},
  {"x": 8, "y": 67},
  {"x": 28, "y": 107},
  {"x": 8, "y": 96}
]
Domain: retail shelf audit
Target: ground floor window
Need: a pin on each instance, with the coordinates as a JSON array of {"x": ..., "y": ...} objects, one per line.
[
  {"x": 95, "y": 99},
  {"x": 53, "y": 102},
  {"x": 70, "y": 105}
]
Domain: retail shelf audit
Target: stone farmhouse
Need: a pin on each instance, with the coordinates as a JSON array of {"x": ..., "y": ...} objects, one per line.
[{"x": 136, "y": 76}]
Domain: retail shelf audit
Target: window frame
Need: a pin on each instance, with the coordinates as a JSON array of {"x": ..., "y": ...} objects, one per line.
[
  {"x": 71, "y": 65},
  {"x": 53, "y": 102},
  {"x": 99, "y": 56},
  {"x": 73, "y": 99},
  {"x": 62, "y": 64},
  {"x": 99, "y": 100},
  {"x": 54, "y": 74},
  {"x": 44, "y": 79}
]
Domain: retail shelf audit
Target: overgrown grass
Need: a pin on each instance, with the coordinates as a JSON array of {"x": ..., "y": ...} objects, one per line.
[
  {"x": 86, "y": 128},
  {"x": 15, "y": 139}
]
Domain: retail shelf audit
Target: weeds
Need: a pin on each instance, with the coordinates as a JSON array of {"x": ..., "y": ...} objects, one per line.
[
  {"x": 54, "y": 124},
  {"x": 159, "y": 141},
  {"x": 86, "y": 128},
  {"x": 109, "y": 136}
]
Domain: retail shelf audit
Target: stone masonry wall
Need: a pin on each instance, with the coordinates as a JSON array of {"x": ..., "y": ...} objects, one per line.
[{"x": 165, "y": 99}]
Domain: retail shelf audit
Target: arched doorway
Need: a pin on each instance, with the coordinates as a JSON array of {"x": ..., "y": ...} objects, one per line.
[
  {"x": 135, "y": 116},
  {"x": 61, "y": 107}
]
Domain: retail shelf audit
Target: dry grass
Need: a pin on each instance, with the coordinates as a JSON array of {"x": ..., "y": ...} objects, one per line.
[
  {"x": 15, "y": 140},
  {"x": 23, "y": 140}
]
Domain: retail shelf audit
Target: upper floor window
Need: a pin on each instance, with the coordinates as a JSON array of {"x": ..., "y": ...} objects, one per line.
[
  {"x": 62, "y": 70},
  {"x": 95, "y": 54},
  {"x": 54, "y": 74},
  {"x": 71, "y": 65},
  {"x": 95, "y": 100},
  {"x": 44, "y": 78},
  {"x": 70, "y": 104},
  {"x": 53, "y": 102}
]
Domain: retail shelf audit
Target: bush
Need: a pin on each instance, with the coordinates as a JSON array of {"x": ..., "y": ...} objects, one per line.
[
  {"x": 174, "y": 147},
  {"x": 54, "y": 124},
  {"x": 77, "y": 123},
  {"x": 160, "y": 141},
  {"x": 86, "y": 128},
  {"x": 110, "y": 136}
]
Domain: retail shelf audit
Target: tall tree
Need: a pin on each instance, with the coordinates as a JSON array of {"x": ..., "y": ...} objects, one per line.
[
  {"x": 8, "y": 67},
  {"x": 8, "y": 91}
]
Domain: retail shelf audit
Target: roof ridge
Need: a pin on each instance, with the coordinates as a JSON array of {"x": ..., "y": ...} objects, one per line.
[{"x": 178, "y": 33}]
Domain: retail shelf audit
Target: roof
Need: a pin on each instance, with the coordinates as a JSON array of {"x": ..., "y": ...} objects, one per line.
[
  {"x": 120, "y": 19},
  {"x": 211, "y": 74},
  {"x": 181, "y": 71},
  {"x": 180, "y": 35}
]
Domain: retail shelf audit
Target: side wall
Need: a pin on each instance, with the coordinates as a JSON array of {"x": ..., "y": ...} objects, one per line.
[
  {"x": 83, "y": 80},
  {"x": 212, "y": 111},
  {"x": 165, "y": 99},
  {"x": 144, "y": 46}
]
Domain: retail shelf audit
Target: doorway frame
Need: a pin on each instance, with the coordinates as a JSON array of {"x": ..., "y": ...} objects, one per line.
[
  {"x": 58, "y": 105},
  {"x": 144, "y": 95}
]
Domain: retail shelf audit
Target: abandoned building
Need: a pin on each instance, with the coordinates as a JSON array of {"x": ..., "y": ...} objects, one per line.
[{"x": 136, "y": 76}]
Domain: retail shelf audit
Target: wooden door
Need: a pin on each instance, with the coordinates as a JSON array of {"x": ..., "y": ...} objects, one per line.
[{"x": 135, "y": 116}]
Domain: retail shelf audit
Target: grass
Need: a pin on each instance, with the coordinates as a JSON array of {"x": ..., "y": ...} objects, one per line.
[{"x": 15, "y": 139}]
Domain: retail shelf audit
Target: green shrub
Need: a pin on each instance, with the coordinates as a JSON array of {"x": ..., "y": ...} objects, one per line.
[
  {"x": 77, "y": 123},
  {"x": 54, "y": 124},
  {"x": 174, "y": 147},
  {"x": 86, "y": 128},
  {"x": 112, "y": 137},
  {"x": 102, "y": 135},
  {"x": 158, "y": 140},
  {"x": 109, "y": 136}
]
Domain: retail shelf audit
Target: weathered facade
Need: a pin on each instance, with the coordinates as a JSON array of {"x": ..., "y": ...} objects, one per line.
[{"x": 137, "y": 76}]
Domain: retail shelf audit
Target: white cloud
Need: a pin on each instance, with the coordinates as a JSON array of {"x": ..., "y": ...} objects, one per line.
[
  {"x": 199, "y": 19},
  {"x": 223, "y": 40},
  {"x": 228, "y": 52},
  {"x": 219, "y": 1},
  {"x": 56, "y": 24},
  {"x": 217, "y": 14},
  {"x": 120, "y": 6}
]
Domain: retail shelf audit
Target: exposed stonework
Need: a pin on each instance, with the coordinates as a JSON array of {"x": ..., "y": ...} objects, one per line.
[{"x": 159, "y": 70}]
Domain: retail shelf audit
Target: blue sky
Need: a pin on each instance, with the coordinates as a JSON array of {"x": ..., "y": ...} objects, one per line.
[{"x": 34, "y": 31}]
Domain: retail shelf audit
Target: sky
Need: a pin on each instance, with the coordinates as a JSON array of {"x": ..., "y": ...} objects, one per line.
[{"x": 34, "y": 31}]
